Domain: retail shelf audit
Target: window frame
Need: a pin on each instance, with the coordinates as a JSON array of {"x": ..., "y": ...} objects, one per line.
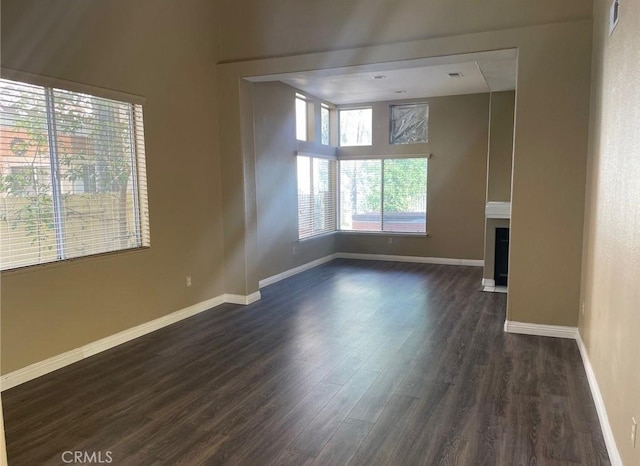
[
  {"x": 391, "y": 120},
  {"x": 332, "y": 124},
  {"x": 333, "y": 187},
  {"x": 308, "y": 116},
  {"x": 137, "y": 154},
  {"x": 382, "y": 232}
]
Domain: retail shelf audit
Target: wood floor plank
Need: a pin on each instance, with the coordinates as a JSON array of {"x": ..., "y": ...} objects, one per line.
[
  {"x": 318, "y": 432},
  {"x": 344, "y": 444},
  {"x": 378, "y": 446}
]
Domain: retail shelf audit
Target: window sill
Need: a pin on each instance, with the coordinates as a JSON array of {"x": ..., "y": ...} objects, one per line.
[
  {"x": 319, "y": 235},
  {"x": 384, "y": 233},
  {"x": 75, "y": 260}
]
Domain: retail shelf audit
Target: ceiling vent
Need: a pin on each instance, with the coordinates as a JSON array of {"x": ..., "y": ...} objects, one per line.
[{"x": 455, "y": 75}]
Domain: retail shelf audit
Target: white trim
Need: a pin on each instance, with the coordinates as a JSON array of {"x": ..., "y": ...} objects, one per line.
[
  {"x": 73, "y": 86},
  {"x": 416, "y": 259},
  {"x": 41, "y": 368},
  {"x": 496, "y": 289},
  {"x": 541, "y": 330},
  {"x": 346, "y": 155},
  {"x": 498, "y": 210},
  {"x": 379, "y": 257},
  {"x": 296, "y": 270},
  {"x": 488, "y": 282},
  {"x": 607, "y": 432},
  {"x": 242, "y": 299}
]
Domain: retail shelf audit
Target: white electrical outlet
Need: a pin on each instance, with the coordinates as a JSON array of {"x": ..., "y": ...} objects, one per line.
[
  {"x": 634, "y": 431},
  {"x": 582, "y": 308},
  {"x": 188, "y": 281},
  {"x": 390, "y": 240}
]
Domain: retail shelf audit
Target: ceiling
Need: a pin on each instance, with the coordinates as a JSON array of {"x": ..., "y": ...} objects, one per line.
[{"x": 478, "y": 72}]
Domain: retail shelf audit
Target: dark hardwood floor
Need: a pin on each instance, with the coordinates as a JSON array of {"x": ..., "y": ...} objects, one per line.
[{"x": 348, "y": 363}]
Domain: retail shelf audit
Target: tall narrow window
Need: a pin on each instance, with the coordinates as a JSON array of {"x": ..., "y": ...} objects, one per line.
[
  {"x": 384, "y": 195},
  {"x": 356, "y": 126},
  {"x": 301, "y": 118},
  {"x": 316, "y": 196},
  {"x": 324, "y": 125},
  {"x": 72, "y": 175}
]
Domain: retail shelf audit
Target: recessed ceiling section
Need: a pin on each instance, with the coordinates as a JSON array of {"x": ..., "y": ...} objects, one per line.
[
  {"x": 409, "y": 79},
  {"x": 409, "y": 83}
]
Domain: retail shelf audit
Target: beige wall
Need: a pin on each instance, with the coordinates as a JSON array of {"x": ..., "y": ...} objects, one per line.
[
  {"x": 267, "y": 28},
  {"x": 456, "y": 180},
  {"x": 3, "y": 445},
  {"x": 500, "y": 146},
  {"x": 611, "y": 274},
  {"x": 276, "y": 171},
  {"x": 166, "y": 53}
]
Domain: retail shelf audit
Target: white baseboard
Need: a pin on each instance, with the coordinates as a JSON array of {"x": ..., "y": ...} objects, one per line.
[
  {"x": 377, "y": 257},
  {"x": 525, "y": 328},
  {"x": 291, "y": 272},
  {"x": 242, "y": 299},
  {"x": 496, "y": 289},
  {"x": 415, "y": 259},
  {"x": 607, "y": 432},
  {"x": 488, "y": 282},
  {"x": 41, "y": 368}
]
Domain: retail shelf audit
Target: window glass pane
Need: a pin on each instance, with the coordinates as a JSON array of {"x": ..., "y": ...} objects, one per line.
[
  {"x": 361, "y": 195},
  {"x": 26, "y": 202},
  {"x": 324, "y": 123},
  {"x": 355, "y": 127},
  {"x": 409, "y": 124},
  {"x": 301, "y": 119},
  {"x": 95, "y": 149},
  {"x": 405, "y": 195}
]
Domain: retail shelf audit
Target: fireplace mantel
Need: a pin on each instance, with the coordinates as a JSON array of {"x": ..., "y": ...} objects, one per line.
[{"x": 498, "y": 210}]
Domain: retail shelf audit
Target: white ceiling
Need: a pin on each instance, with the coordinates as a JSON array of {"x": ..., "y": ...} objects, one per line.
[{"x": 481, "y": 72}]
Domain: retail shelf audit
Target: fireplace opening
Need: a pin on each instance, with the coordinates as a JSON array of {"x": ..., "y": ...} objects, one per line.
[{"x": 501, "y": 270}]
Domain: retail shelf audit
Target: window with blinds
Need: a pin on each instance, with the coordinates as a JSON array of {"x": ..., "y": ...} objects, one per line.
[
  {"x": 379, "y": 195},
  {"x": 316, "y": 196},
  {"x": 72, "y": 175}
]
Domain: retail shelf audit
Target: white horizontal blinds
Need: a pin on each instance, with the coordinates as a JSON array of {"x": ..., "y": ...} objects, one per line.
[
  {"x": 324, "y": 195},
  {"x": 27, "y": 229},
  {"x": 140, "y": 178},
  {"x": 361, "y": 195},
  {"x": 305, "y": 200},
  {"x": 405, "y": 195},
  {"x": 316, "y": 196},
  {"x": 96, "y": 146}
]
